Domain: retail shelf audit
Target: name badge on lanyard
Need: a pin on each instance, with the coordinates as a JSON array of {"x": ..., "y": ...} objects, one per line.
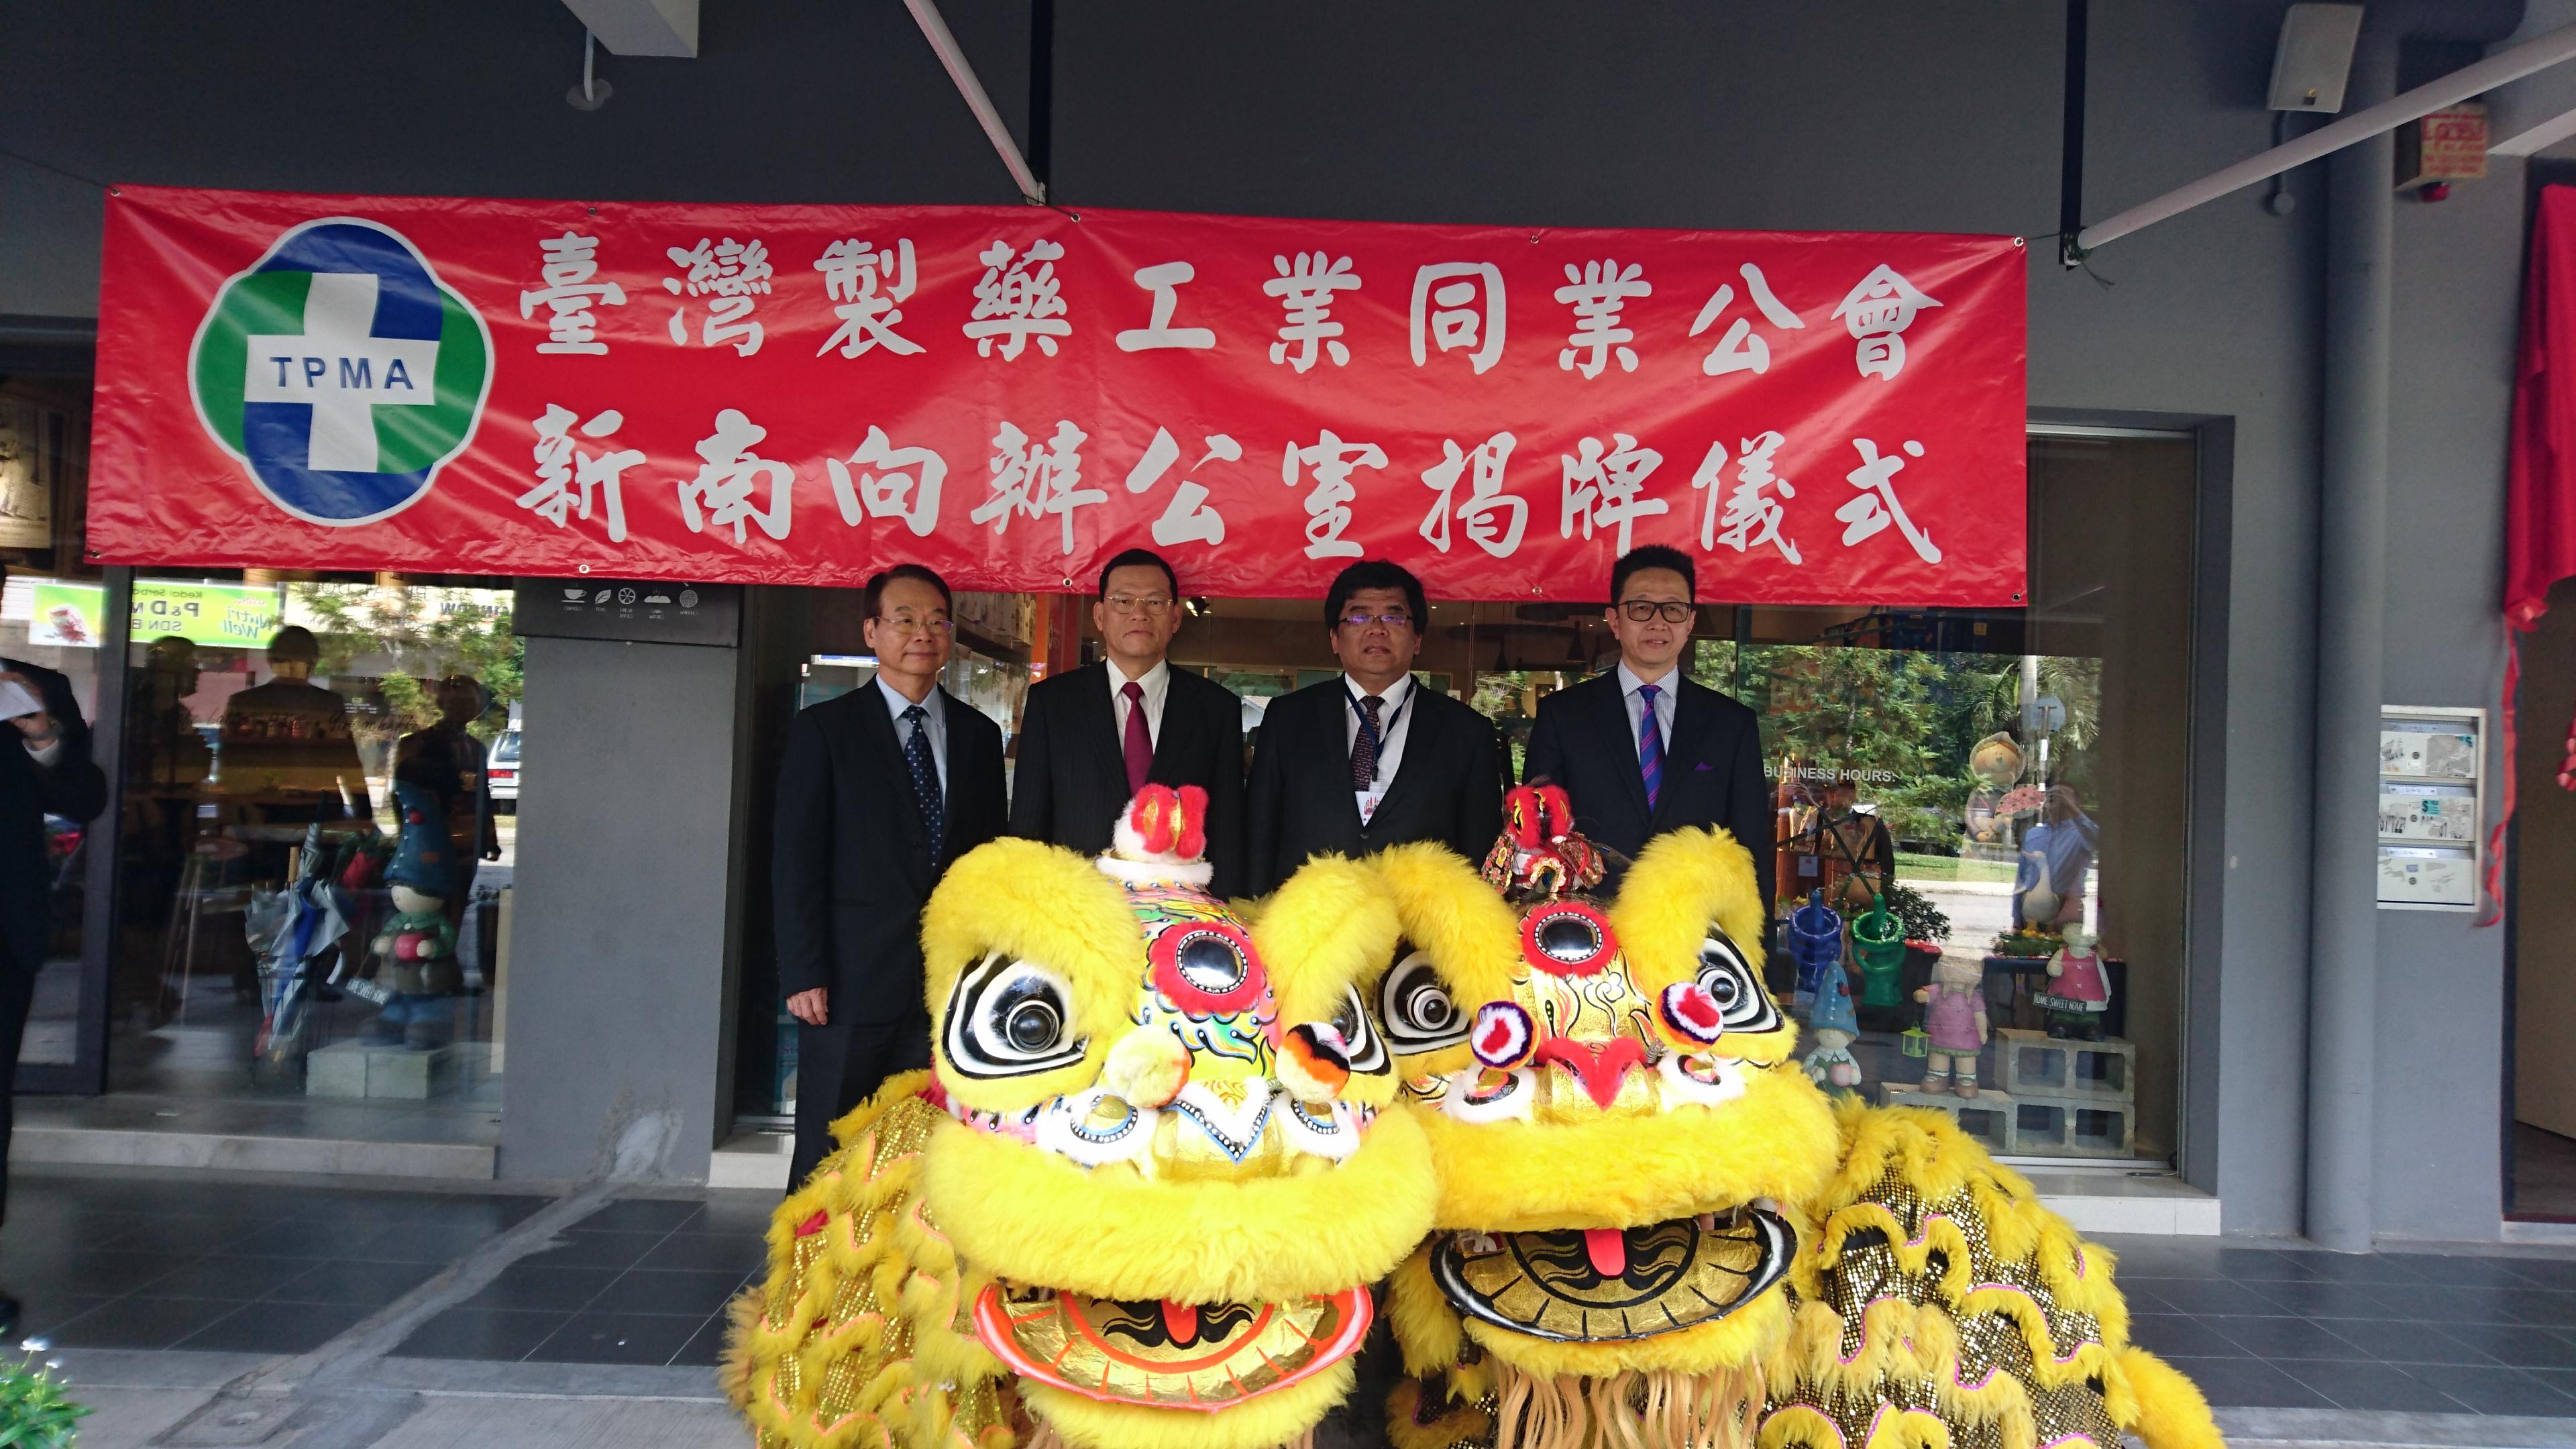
[{"x": 1369, "y": 799}]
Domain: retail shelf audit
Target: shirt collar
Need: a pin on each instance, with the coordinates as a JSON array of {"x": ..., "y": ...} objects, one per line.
[
  {"x": 1395, "y": 696},
  {"x": 1629, "y": 682},
  {"x": 896, "y": 704},
  {"x": 1152, "y": 679}
]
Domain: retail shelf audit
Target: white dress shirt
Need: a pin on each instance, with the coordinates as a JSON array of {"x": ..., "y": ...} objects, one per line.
[
  {"x": 1157, "y": 683},
  {"x": 1395, "y": 721},
  {"x": 1667, "y": 691},
  {"x": 934, "y": 719}
]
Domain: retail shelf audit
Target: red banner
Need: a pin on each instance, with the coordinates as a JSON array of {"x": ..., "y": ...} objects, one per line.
[{"x": 803, "y": 394}]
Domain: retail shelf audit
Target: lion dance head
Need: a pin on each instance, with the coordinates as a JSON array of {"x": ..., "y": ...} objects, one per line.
[{"x": 1139, "y": 1198}]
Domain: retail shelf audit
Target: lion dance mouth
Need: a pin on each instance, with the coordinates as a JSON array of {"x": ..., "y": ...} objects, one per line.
[
  {"x": 1598, "y": 1285},
  {"x": 1166, "y": 1355}
]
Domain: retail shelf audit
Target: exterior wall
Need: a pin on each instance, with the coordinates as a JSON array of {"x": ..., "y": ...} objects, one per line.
[{"x": 1873, "y": 116}]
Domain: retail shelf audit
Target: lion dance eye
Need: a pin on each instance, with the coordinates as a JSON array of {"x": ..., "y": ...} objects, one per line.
[
  {"x": 1742, "y": 1004},
  {"x": 1418, "y": 1012},
  {"x": 1009, "y": 1018},
  {"x": 1360, "y": 1041}
]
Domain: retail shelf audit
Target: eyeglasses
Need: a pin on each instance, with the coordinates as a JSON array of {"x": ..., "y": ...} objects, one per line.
[
  {"x": 1640, "y": 610},
  {"x": 1392, "y": 621},
  {"x": 906, "y": 624},
  {"x": 1130, "y": 604}
]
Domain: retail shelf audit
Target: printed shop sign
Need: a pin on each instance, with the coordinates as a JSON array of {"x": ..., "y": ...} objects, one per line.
[
  {"x": 69, "y": 615},
  {"x": 803, "y": 394}
]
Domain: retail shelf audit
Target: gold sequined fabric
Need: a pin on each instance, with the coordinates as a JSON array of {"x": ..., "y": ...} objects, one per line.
[{"x": 1994, "y": 1336}]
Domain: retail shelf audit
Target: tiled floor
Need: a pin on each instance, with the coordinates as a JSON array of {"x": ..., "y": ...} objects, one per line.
[
  {"x": 134, "y": 1261},
  {"x": 641, "y": 1281},
  {"x": 2263, "y": 1327}
]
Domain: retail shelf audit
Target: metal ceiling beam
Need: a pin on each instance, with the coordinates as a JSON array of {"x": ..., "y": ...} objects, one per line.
[
  {"x": 2505, "y": 65},
  {"x": 641, "y": 27},
  {"x": 925, "y": 13}
]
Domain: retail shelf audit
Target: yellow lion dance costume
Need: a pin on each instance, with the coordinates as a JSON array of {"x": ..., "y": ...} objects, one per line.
[
  {"x": 1654, "y": 1232},
  {"x": 1140, "y": 1198}
]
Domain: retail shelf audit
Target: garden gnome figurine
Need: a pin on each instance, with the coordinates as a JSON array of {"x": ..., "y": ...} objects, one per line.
[
  {"x": 2077, "y": 993},
  {"x": 1956, "y": 1021},
  {"x": 1830, "y": 1065},
  {"x": 416, "y": 949}
]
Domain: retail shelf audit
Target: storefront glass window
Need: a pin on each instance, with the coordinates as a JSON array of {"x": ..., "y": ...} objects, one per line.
[{"x": 319, "y": 838}]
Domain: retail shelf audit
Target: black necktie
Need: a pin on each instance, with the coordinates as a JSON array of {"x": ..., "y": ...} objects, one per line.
[{"x": 925, "y": 779}]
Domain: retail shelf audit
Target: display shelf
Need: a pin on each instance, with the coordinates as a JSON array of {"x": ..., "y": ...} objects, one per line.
[{"x": 1986, "y": 1117}]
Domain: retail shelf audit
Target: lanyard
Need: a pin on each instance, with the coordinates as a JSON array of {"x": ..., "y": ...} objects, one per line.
[{"x": 1377, "y": 736}]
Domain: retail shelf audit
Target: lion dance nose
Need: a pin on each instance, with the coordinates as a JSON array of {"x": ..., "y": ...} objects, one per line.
[{"x": 1600, "y": 1068}]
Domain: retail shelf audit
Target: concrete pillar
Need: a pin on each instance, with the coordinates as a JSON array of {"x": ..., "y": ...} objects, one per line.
[
  {"x": 624, "y": 917},
  {"x": 2352, "y": 590}
]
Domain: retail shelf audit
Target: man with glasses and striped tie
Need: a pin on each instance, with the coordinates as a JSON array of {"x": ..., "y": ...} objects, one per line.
[
  {"x": 880, "y": 790},
  {"x": 1372, "y": 757},
  {"x": 1642, "y": 750}
]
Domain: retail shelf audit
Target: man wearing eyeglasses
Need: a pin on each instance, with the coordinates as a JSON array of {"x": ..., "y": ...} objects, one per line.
[
  {"x": 1642, "y": 750},
  {"x": 1090, "y": 738},
  {"x": 1371, "y": 758},
  {"x": 881, "y": 788}
]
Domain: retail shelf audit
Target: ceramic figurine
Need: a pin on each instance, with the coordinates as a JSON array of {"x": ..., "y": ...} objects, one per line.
[
  {"x": 1830, "y": 1064},
  {"x": 416, "y": 947},
  {"x": 1996, "y": 762},
  {"x": 2078, "y": 993},
  {"x": 1956, "y": 1023}
]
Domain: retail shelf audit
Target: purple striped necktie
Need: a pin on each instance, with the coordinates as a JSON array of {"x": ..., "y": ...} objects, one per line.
[{"x": 1650, "y": 743}]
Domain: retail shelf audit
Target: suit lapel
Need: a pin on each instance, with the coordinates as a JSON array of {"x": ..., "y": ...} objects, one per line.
[
  {"x": 1169, "y": 740},
  {"x": 1421, "y": 743},
  {"x": 952, "y": 710},
  {"x": 1619, "y": 741},
  {"x": 1694, "y": 715},
  {"x": 1096, "y": 720}
]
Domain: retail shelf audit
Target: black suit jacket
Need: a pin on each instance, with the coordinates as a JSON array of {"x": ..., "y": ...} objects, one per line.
[
  {"x": 852, "y": 866},
  {"x": 1448, "y": 785},
  {"x": 72, "y": 787},
  {"x": 1585, "y": 741},
  {"x": 1071, "y": 780}
]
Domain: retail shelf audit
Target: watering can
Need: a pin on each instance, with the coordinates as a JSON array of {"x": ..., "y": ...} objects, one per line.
[
  {"x": 1878, "y": 944},
  {"x": 1816, "y": 944}
]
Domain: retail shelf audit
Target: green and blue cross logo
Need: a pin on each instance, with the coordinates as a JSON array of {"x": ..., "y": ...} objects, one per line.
[{"x": 341, "y": 371}]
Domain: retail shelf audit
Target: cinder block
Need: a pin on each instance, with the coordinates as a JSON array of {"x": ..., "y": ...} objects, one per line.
[
  {"x": 1987, "y": 1117},
  {"x": 2080, "y": 1125},
  {"x": 362, "y": 1069},
  {"x": 2036, "y": 1064}
]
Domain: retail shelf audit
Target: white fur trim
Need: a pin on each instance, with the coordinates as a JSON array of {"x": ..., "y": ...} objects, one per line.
[{"x": 1149, "y": 872}]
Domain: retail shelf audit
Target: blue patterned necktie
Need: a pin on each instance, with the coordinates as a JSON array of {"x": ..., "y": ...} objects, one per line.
[
  {"x": 925, "y": 780},
  {"x": 1650, "y": 743}
]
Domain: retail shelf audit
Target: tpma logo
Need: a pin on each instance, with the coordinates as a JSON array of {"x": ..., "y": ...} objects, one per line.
[{"x": 341, "y": 372}]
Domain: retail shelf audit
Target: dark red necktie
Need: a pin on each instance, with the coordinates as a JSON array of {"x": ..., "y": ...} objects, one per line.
[{"x": 1140, "y": 741}]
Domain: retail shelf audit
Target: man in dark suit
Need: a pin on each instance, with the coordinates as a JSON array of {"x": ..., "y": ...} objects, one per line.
[
  {"x": 1092, "y": 737},
  {"x": 1373, "y": 758},
  {"x": 1642, "y": 750},
  {"x": 881, "y": 788},
  {"x": 45, "y": 769}
]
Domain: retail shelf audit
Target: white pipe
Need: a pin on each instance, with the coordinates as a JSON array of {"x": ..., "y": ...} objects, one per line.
[
  {"x": 2532, "y": 55},
  {"x": 935, "y": 30},
  {"x": 589, "y": 49}
]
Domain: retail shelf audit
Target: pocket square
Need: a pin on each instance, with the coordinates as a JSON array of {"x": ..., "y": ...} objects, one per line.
[{"x": 1702, "y": 765}]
